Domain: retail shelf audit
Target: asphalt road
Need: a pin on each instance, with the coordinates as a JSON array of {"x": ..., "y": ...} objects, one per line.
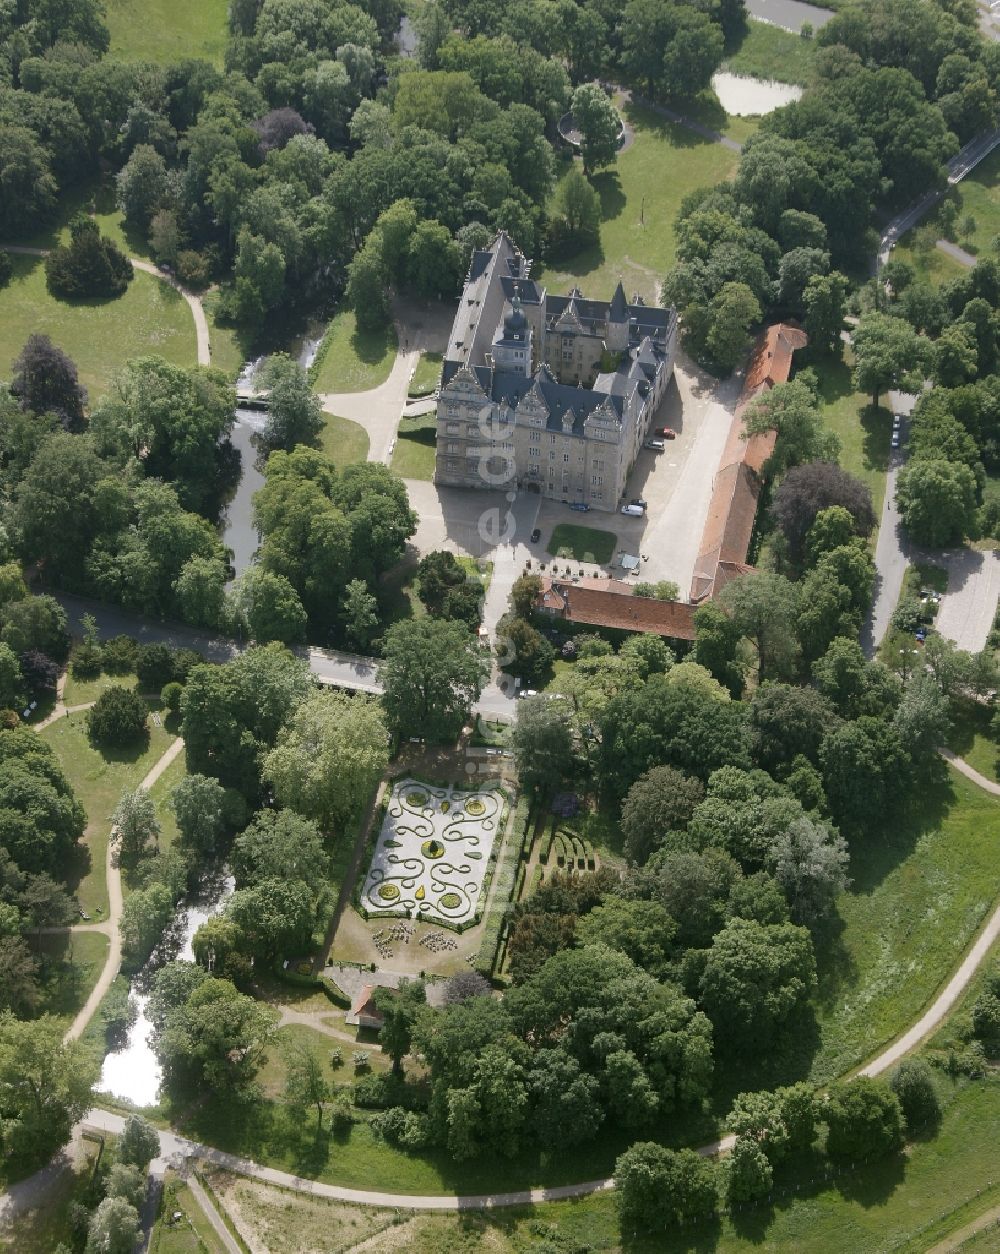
[{"x": 340, "y": 670}]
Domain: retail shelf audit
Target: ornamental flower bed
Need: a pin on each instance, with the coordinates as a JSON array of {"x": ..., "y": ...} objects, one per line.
[{"x": 432, "y": 854}]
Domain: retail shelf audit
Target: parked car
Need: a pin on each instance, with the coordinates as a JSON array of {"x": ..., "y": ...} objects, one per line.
[
  {"x": 633, "y": 511},
  {"x": 637, "y": 500},
  {"x": 667, "y": 433},
  {"x": 581, "y": 506},
  {"x": 527, "y": 692},
  {"x": 536, "y": 535},
  {"x": 895, "y": 439},
  {"x": 655, "y": 446},
  {"x": 896, "y": 422}
]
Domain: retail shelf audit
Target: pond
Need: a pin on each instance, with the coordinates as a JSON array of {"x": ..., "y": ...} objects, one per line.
[
  {"x": 133, "y": 1073},
  {"x": 742, "y": 96}
]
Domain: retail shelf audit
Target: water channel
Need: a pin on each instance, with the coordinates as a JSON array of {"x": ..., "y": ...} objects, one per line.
[{"x": 133, "y": 1073}]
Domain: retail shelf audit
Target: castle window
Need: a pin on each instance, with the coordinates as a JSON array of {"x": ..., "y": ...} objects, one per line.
[
  {"x": 565, "y": 457},
  {"x": 534, "y": 452},
  {"x": 597, "y": 479},
  {"x": 535, "y": 437}
]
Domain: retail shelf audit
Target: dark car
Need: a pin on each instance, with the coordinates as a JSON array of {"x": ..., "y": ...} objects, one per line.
[
  {"x": 580, "y": 506},
  {"x": 536, "y": 535}
]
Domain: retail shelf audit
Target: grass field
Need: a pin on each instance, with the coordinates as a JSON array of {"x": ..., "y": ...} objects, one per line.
[
  {"x": 640, "y": 198},
  {"x": 427, "y": 374},
  {"x": 228, "y": 348},
  {"x": 583, "y": 544},
  {"x": 864, "y": 437},
  {"x": 343, "y": 440},
  {"x": 167, "y": 30},
  {"x": 979, "y": 194},
  {"x": 191, "y": 1233},
  {"x": 78, "y": 960},
  {"x": 160, "y": 792},
  {"x": 413, "y": 456},
  {"x": 82, "y": 691},
  {"x": 919, "y": 893},
  {"x": 99, "y": 780},
  {"x": 100, "y": 336},
  {"x": 972, "y": 739},
  {"x": 773, "y": 53},
  {"x": 932, "y": 266},
  {"x": 353, "y": 360}
]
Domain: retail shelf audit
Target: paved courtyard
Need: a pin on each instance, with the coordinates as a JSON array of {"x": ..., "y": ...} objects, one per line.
[
  {"x": 677, "y": 484},
  {"x": 432, "y": 853}
]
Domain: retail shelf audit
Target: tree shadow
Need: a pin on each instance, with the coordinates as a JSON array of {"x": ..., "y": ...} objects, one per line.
[
  {"x": 923, "y": 809},
  {"x": 697, "y": 1238},
  {"x": 835, "y": 965},
  {"x": 873, "y": 1183},
  {"x": 876, "y": 425},
  {"x": 789, "y": 1060},
  {"x": 371, "y": 347},
  {"x": 608, "y": 186},
  {"x": 641, "y": 117},
  {"x": 122, "y": 754}
]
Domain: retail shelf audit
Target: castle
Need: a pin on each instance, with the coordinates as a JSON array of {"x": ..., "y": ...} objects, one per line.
[{"x": 555, "y": 394}]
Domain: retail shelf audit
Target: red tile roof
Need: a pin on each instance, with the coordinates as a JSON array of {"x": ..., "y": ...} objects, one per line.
[
  {"x": 732, "y": 510},
  {"x": 612, "y": 603}
]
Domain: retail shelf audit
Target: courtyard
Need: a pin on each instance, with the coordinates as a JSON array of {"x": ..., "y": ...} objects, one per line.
[{"x": 433, "y": 852}]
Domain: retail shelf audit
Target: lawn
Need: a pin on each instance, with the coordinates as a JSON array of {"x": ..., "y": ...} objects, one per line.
[
  {"x": 640, "y": 198},
  {"x": 864, "y": 437},
  {"x": 100, "y": 336},
  {"x": 167, "y": 30},
  {"x": 930, "y": 265},
  {"x": 77, "y": 961},
  {"x": 84, "y": 691},
  {"x": 427, "y": 375},
  {"x": 770, "y": 52},
  {"x": 979, "y": 195},
  {"x": 343, "y": 440},
  {"x": 920, "y": 891},
  {"x": 99, "y": 780},
  {"x": 229, "y": 347},
  {"x": 582, "y": 544},
  {"x": 413, "y": 456},
  {"x": 351, "y": 360},
  {"x": 160, "y": 792},
  {"x": 192, "y": 1232},
  {"x": 972, "y": 739}
]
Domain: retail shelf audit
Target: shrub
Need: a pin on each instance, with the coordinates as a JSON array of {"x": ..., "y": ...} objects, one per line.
[
  {"x": 6, "y": 268},
  {"x": 361, "y": 1060},
  {"x": 193, "y": 269},
  {"x": 39, "y": 672},
  {"x": 656, "y": 1188},
  {"x": 986, "y": 1020},
  {"x": 336, "y": 1058},
  {"x": 119, "y": 654},
  {"x": 864, "y": 1119},
  {"x": 913, "y": 1084},
  {"x": 118, "y": 718},
  {"x": 171, "y": 695},
  {"x": 90, "y": 265},
  {"x": 87, "y": 661}
]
